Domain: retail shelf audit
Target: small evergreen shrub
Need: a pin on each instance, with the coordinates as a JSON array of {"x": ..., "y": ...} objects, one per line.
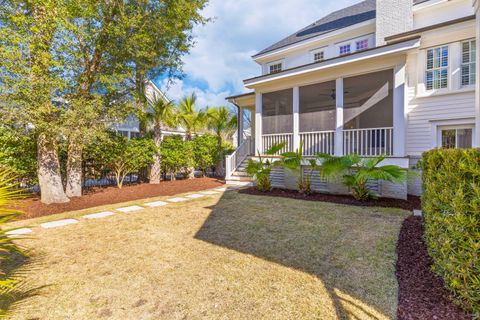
[{"x": 451, "y": 206}]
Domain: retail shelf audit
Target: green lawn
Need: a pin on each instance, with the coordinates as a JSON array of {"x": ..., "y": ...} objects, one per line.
[{"x": 230, "y": 256}]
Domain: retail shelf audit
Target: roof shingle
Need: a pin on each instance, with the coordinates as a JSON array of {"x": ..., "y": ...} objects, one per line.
[{"x": 343, "y": 18}]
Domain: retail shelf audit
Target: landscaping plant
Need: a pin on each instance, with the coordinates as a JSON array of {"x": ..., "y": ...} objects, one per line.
[
  {"x": 123, "y": 156},
  {"x": 8, "y": 197},
  {"x": 356, "y": 172},
  {"x": 177, "y": 156},
  {"x": 205, "y": 152},
  {"x": 260, "y": 169},
  {"x": 293, "y": 161},
  {"x": 451, "y": 208}
]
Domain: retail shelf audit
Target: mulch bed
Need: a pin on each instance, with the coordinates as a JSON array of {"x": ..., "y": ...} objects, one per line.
[
  {"x": 94, "y": 197},
  {"x": 422, "y": 293},
  {"x": 410, "y": 204}
]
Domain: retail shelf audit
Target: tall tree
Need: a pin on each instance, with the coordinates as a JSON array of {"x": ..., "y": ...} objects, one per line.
[
  {"x": 160, "y": 114},
  {"x": 223, "y": 123},
  {"x": 32, "y": 80}
]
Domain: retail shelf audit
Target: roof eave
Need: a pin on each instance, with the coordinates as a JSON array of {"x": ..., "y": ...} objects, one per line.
[{"x": 337, "y": 61}]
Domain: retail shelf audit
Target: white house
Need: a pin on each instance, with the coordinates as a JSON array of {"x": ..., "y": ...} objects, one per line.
[
  {"x": 131, "y": 127},
  {"x": 395, "y": 77}
]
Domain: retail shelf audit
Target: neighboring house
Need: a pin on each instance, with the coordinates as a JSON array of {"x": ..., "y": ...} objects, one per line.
[
  {"x": 395, "y": 77},
  {"x": 131, "y": 127}
]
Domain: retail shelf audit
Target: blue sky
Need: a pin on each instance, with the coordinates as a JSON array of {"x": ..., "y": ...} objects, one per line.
[{"x": 221, "y": 58}]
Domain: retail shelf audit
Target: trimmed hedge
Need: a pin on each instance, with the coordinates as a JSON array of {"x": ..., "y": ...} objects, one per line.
[{"x": 451, "y": 207}]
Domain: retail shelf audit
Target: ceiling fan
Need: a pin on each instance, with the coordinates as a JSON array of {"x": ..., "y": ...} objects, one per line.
[{"x": 333, "y": 94}]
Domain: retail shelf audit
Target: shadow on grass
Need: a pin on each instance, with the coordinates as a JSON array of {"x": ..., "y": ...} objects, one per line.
[
  {"x": 350, "y": 249},
  {"x": 15, "y": 268}
]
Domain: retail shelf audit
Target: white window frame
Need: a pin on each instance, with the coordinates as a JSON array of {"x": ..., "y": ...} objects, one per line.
[
  {"x": 349, "y": 44},
  {"x": 317, "y": 51},
  {"x": 271, "y": 64},
  {"x": 471, "y": 64},
  {"x": 439, "y": 125},
  {"x": 439, "y": 68},
  {"x": 360, "y": 41}
]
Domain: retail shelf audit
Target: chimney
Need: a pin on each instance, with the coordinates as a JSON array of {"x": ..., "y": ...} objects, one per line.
[{"x": 393, "y": 17}]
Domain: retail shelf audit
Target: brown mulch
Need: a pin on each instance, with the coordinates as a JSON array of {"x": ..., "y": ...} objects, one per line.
[
  {"x": 94, "y": 197},
  {"x": 422, "y": 294},
  {"x": 410, "y": 204}
]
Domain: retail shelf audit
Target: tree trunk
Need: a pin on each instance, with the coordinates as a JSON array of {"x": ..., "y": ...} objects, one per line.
[
  {"x": 74, "y": 169},
  {"x": 156, "y": 170},
  {"x": 219, "y": 170},
  {"x": 49, "y": 177}
]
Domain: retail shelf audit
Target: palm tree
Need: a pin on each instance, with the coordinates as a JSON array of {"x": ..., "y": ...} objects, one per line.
[
  {"x": 223, "y": 123},
  {"x": 160, "y": 113},
  {"x": 191, "y": 120}
]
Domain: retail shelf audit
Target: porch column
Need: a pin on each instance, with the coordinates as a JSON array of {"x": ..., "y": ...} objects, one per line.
[
  {"x": 338, "y": 150},
  {"x": 296, "y": 118},
  {"x": 240, "y": 126},
  {"x": 476, "y": 138},
  {"x": 399, "y": 111},
  {"x": 258, "y": 122}
]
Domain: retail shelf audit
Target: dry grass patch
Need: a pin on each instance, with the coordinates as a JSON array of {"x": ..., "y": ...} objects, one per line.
[{"x": 230, "y": 256}]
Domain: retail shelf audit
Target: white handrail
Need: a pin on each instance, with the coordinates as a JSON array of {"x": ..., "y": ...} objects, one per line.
[
  {"x": 269, "y": 140},
  {"x": 317, "y": 142},
  {"x": 368, "y": 142},
  {"x": 236, "y": 158}
]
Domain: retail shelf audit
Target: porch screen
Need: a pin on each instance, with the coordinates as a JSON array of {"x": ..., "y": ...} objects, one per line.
[
  {"x": 368, "y": 100},
  {"x": 317, "y": 107},
  {"x": 277, "y": 112}
]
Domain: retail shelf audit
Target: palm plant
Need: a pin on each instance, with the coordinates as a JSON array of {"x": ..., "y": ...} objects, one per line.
[
  {"x": 8, "y": 197},
  {"x": 260, "y": 169},
  {"x": 293, "y": 160},
  {"x": 356, "y": 172},
  {"x": 189, "y": 118},
  {"x": 160, "y": 113},
  {"x": 223, "y": 123}
]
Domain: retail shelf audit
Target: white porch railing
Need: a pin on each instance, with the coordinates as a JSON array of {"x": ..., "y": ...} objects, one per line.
[
  {"x": 368, "y": 142},
  {"x": 268, "y": 140},
  {"x": 317, "y": 142},
  {"x": 236, "y": 158}
]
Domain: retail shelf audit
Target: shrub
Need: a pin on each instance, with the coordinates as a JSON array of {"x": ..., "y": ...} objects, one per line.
[
  {"x": 18, "y": 153},
  {"x": 205, "y": 152},
  {"x": 177, "y": 155},
  {"x": 122, "y": 156},
  {"x": 451, "y": 206},
  {"x": 293, "y": 161}
]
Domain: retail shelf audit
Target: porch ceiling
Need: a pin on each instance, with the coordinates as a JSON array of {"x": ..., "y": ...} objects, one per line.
[{"x": 246, "y": 100}]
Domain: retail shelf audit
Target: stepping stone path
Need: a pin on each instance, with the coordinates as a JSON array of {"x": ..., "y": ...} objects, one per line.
[
  {"x": 195, "y": 196},
  {"x": 209, "y": 192},
  {"x": 178, "y": 199},
  {"x": 18, "y": 232},
  {"x": 155, "y": 204},
  {"x": 417, "y": 213},
  {"x": 99, "y": 215},
  {"x": 58, "y": 223},
  {"x": 130, "y": 209}
]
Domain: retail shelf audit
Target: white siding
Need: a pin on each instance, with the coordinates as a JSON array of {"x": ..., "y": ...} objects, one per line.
[{"x": 429, "y": 14}]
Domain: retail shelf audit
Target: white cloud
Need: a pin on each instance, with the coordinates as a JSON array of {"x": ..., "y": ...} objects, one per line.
[{"x": 221, "y": 57}]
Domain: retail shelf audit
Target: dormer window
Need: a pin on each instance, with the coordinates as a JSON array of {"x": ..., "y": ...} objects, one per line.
[
  {"x": 345, "y": 49},
  {"x": 362, "y": 45},
  {"x": 275, "y": 68},
  {"x": 318, "y": 56}
]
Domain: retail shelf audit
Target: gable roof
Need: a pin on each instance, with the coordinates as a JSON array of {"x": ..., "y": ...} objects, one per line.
[{"x": 343, "y": 18}]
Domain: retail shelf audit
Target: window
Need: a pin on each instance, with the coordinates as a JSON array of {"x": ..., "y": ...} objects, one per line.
[
  {"x": 274, "y": 68},
  {"x": 362, "y": 44},
  {"x": 457, "y": 138},
  {"x": 345, "y": 49},
  {"x": 318, "y": 56},
  {"x": 468, "y": 62},
  {"x": 437, "y": 68}
]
